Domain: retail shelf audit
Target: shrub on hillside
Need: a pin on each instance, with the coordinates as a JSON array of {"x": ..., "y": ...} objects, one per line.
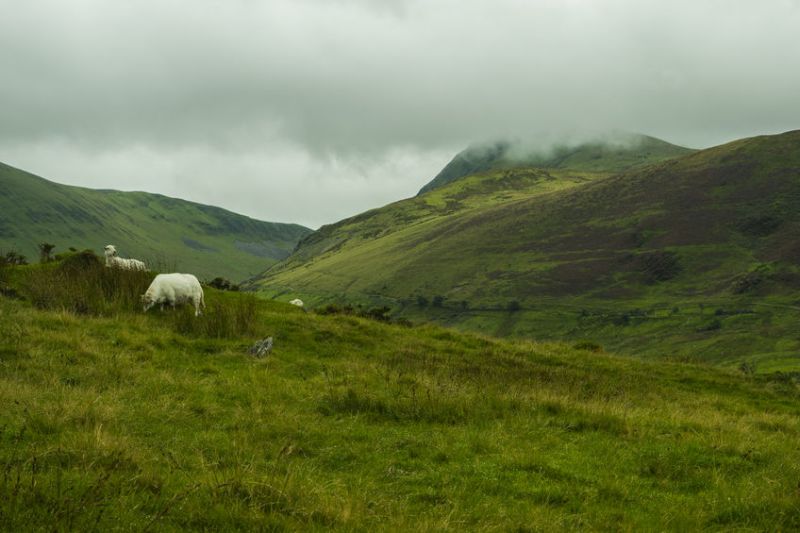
[
  {"x": 46, "y": 252},
  {"x": 625, "y": 318},
  {"x": 78, "y": 262},
  {"x": 759, "y": 225},
  {"x": 223, "y": 284},
  {"x": 380, "y": 314},
  {"x": 658, "y": 265},
  {"x": 334, "y": 309},
  {"x": 80, "y": 283},
  {"x": 13, "y": 258},
  {"x": 7, "y": 262},
  {"x": 752, "y": 280}
]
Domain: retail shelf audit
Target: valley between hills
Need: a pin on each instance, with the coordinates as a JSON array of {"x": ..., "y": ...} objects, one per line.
[{"x": 621, "y": 353}]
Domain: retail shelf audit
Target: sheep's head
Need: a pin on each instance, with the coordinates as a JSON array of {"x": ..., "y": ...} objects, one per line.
[
  {"x": 147, "y": 302},
  {"x": 110, "y": 250}
]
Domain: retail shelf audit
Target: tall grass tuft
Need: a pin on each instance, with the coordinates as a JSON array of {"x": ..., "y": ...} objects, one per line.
[
  {"x": 8, "y": 260},
  {"x": 224, "y": 318},
  {"x": 82, "y": 284},
  {"x": 4, "y": 272}
]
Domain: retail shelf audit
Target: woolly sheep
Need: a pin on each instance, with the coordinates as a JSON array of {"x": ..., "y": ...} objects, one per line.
[
  {"x": 112, "y": 260},
  {"x": 174, "y": 289}
]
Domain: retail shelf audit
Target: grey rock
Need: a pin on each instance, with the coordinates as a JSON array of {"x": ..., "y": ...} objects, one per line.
[{"x": 261, "y": 348}]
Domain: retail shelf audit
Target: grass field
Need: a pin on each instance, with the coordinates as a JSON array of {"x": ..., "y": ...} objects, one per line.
[{"x": 113, "y": 419}]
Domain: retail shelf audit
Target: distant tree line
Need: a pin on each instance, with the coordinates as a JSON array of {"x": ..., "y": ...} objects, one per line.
[{"x": 223, "y": 284}]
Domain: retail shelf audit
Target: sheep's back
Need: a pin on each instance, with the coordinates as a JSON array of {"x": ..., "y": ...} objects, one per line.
[{"x": 174, "y": 285}]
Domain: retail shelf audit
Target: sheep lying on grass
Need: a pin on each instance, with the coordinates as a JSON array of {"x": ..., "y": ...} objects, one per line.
[
  {"x": 112, "y": 260},
  {"x": 174, "y": 289}
]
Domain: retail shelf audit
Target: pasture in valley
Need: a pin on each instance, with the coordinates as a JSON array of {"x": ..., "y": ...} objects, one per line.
[{"x": 114, "y": 419}]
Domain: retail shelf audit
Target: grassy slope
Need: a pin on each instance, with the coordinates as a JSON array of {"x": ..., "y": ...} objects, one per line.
[
  {"x": 384, "y": 236},
  {"x": 171, "y": 233},
  {"x": 123, "y": 422},
  {"x": 695, "y": 257}
]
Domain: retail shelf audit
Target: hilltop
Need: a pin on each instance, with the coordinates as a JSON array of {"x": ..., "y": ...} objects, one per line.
[
  {"x": 167, "y": 232},
  {"x": 695, "y": 257},
  {"x": 609, "y": 153},
  {"x": 113, "y": 419}
]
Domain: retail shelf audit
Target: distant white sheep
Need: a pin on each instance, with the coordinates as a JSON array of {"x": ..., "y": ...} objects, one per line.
[
  {"x": 174, "y": 289},
  {"x": 297, "y": 301},
  {"x": 112, "y": 260}
]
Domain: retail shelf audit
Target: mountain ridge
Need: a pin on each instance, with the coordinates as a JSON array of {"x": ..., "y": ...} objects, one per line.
[
  {"x": 507, "y": 251},
  {"x": 209, "y": 240}
]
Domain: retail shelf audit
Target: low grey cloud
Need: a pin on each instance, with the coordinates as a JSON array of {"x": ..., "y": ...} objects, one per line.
[{"x": 309, "y": 110}]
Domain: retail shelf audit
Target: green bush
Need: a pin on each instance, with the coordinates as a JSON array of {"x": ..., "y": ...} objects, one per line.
[
  {"x": 380, "y": 314},
  {"x": 334, "y": 309},
  {"x": 13, "y": 258},
  {"x": 80, "y": 283},
  {"x": 223, "y": 284},
  {"x": 46, "y": 252}
]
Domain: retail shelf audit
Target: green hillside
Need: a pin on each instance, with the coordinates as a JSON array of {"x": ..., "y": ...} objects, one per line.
[
  {"x": 113, "y": 420},
  {"x": 168, "y": 233},
  {"x": 614, "y": 154},
  {"x": 696, "y": 257}
]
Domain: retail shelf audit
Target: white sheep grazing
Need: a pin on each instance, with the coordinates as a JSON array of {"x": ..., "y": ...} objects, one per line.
[
  {"x": 112, "y": 260},
  {"x": 297, "y": 301},
  {"x": 174, "y": 289}
]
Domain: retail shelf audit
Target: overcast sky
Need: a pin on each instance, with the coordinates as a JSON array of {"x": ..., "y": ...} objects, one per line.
[{"x": 310, "y": 111}]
